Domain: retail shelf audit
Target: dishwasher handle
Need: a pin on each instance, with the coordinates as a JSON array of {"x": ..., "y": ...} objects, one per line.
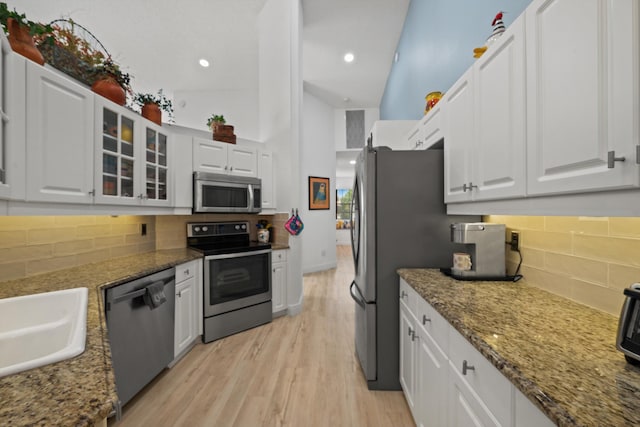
[
  {"x": 129, "y": 295},
  {"x": 137, "y": 293}
]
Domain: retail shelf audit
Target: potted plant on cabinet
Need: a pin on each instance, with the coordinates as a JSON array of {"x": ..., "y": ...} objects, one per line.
[
  {"x": 214, "y": 121},
  {"x": 111, "y": 82},
  {"x": 72, "y": 49},
  {"x": 21, "y": 31},
  {"x": 221, "y": 131},
  {"x": 152, "y": 106}
]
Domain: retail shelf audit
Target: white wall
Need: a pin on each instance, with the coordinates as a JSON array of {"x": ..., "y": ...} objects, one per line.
[
  {"x": 340, "y": 130},
  {"x": 280, "y": 101},
  {"x": 318, "y": 159},
  {"x": 239, "y": 107}
]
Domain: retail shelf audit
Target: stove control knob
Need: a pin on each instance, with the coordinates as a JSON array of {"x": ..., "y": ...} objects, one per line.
[
  {"x": 237, "y": 227},
  {"x": 244, "y": 226},
  {"x": 196, "y": 229},
  {"x": 205, "y": 228}
]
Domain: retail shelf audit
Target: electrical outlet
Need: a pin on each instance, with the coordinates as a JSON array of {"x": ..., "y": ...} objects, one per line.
[
  {"x": 515, "y": 240},
  {"x": 143, "y": 229}
]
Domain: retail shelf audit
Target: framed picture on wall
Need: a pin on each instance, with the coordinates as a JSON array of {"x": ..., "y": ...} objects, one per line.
[{"x": 319, "y": 192}]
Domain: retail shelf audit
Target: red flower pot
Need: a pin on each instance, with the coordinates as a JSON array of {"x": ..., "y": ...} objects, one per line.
[
  {"x": 21, "y": 41},
  {"x": 109, "y": 88},
  {"x": 152, "y": 112}
]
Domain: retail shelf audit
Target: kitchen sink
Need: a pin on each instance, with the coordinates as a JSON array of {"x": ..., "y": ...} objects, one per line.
[{"x": 39, "y": 329}]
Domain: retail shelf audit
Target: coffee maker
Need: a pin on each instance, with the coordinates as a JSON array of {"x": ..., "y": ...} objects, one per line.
[{"x": 485, "y": 242}]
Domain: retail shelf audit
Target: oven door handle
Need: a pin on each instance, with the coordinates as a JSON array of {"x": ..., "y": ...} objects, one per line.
[
  {"x": 632, "y": 292},
  {"x": 237, "y": 255}
]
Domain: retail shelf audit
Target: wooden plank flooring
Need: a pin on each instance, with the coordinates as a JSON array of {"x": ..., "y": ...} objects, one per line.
[{"x": 295, "y": 371}]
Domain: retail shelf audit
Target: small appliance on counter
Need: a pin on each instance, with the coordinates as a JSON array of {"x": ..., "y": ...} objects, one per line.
[
  {"x": 628, "y": 340},
  {"x": 485, "y": 245}
]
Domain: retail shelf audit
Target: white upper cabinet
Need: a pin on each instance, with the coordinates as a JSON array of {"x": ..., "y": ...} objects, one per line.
[
  {"x": 500, "y": 137},
  {"x": 221, "y": 157},
  {"x": 484, "y": 124},
  {"x": 265, "y": 173},
  {"x": 60, "y": 136},
  {"x": 458, "y": 142},
  {"x": 12, "y": 122},
  {"x": 582, "y": 95}
]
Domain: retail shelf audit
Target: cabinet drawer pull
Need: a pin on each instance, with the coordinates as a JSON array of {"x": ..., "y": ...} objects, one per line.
[
  {"x": 403, "y": 294},
  {"x": 425, "y": 319},
  {"x": 410, "y": 331},
  {"x": 466, "y": 367}
]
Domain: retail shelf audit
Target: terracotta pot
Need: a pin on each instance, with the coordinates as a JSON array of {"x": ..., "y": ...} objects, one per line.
[
  {"x": 108, "y": 87},
  {"x": 152, "y": 112},
  {"x": 21, "y": 41}
]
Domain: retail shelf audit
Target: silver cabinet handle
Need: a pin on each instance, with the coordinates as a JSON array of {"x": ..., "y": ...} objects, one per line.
[
  {"x": 403, "y": 294},
  {"x": 186, "y": 272},
  {"x": 425, "y": 319},
  {"x": 466, "y": 367},
  {"x": 612, "y": 159},
  {"x": 410, "y": 331},
  {"x": 638, "y": 154},
  {"x": 231, "y": 169},
  {"x": 414, "y": 336},
  {"x": 469, "y": 187},
  {"x": 92, "y": 192},
  {"x": 226, "y": 167}
]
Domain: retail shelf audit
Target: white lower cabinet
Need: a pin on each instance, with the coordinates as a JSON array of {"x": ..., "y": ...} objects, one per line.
[
  {"x": 279, "y": 282},
  {"x": 187, "y": 312},
  {"x": 446, "y": 381}
]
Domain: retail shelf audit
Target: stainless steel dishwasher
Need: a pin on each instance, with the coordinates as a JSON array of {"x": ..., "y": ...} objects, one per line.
[{"x": 140, "y": 322}]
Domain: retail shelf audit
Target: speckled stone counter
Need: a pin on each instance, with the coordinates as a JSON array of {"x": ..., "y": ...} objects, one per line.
[
  {"x": 559, "y": 353},
  {"x": 79, "y": 391}
]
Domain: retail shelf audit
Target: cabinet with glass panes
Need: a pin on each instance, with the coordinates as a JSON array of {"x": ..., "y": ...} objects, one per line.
[{"x": 132, "y": 156}]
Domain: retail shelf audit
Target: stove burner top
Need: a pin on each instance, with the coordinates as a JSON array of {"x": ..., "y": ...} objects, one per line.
[{"x": 217, "y": 238}]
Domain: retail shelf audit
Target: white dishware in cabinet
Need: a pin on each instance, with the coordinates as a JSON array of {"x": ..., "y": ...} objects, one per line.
[
  {"x": 221, "y": 157},
  {"x": 279, "y": 282},
  {"x": 59, "y": 135},
  {"x": 582, "y": 94}
]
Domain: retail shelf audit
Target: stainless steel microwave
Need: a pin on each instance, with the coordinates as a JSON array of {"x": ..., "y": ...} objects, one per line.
[{"x": 219, "y": 193}]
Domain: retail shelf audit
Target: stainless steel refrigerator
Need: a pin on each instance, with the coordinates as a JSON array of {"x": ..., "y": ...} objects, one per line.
[{"x": 398, "y": 220}]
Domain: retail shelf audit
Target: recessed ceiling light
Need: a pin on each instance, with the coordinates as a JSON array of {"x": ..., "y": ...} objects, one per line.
[
  {"x": 204, "y": 63},
  {"x": 352, "y": 162},
  {"x": 349, "y": 57}
]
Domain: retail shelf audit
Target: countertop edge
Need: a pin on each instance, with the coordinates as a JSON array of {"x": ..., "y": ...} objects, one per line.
[
  {"x": 169, "y": 259},
  {"x": 528, "y": 387}
]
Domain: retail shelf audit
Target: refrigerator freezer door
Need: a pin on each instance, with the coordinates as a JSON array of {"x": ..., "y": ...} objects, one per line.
[{"x": 365, "y": 326}]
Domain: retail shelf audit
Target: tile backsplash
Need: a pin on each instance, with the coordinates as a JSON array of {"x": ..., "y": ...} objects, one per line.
[
  {"x": 587, "y": 259},
  {"x": 32, "y": 245}
]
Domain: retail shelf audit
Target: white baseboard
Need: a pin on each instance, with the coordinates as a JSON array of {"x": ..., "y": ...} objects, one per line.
[{"x": 320, "y": 267}]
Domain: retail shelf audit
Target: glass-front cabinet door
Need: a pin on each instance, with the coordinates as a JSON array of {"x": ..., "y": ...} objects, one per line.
[
  {"x": 132, "y": 165},
  {"x": 156, "y": 166},
  {"x": 117, "y": 156}
]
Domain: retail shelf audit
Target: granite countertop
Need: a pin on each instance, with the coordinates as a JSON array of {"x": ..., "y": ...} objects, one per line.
[
  {"x": 559, "y": 353},
  {"x": 79, "y": 391}
]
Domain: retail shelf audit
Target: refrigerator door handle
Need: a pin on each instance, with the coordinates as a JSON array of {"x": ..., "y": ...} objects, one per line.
[{"x": 355, "y": 294}]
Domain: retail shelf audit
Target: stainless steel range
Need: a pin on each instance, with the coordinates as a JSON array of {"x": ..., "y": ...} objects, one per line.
[{"x": 237, "y": 277}]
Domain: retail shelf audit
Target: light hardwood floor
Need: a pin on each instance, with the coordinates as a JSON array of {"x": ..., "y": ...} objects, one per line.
[{"x": 295, "y": 371}]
